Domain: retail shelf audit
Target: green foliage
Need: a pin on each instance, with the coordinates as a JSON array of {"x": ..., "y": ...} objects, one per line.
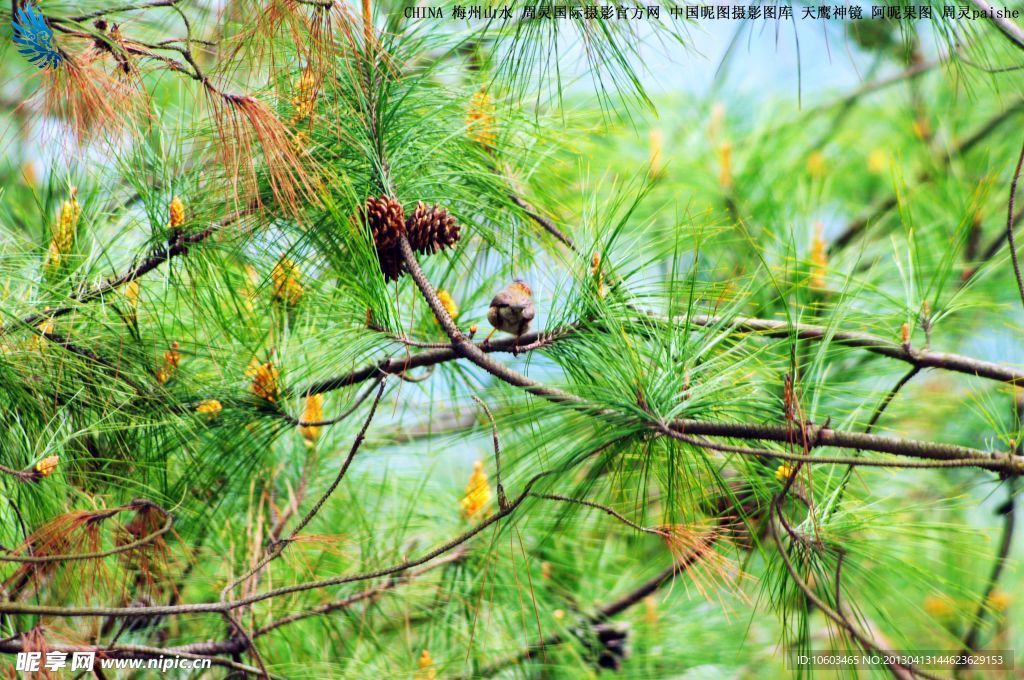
[{"x": 652, "y": 229}]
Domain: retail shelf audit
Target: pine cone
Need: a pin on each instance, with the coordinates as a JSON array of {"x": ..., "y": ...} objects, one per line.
[
  {"x": 391, "y": 263},
  {"x": 386, "y": 220},
  {"x": 431, "y": 229}
]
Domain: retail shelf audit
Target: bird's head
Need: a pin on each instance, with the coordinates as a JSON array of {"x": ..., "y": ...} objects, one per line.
[{"x": 520, "y": 287}]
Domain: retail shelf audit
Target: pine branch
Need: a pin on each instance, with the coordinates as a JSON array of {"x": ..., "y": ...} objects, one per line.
[{"x": 163, "y": 254}]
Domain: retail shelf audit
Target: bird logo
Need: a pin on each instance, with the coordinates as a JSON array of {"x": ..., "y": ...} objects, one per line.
[
  {"x": 34, "y": 38},
  {"x": 512, "y": 310}
]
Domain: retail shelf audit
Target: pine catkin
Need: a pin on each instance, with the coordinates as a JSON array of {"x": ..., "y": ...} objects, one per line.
[
  {"x": 480, "y": 119},
  {"x": 211, "y": 408},
  {"x": 287, "y": 288},
  {"x": 478, "y": 492},
  {"x": 448, "y": 303},
  {"x": 819, "y": 258},
  {"x": 47, "y": 466},
  {"x": 63, "y": 236},
  {"x": 312, "y": 412},
  {"x": 177, "y": 213},
  {"x": 264, "y": 380}
]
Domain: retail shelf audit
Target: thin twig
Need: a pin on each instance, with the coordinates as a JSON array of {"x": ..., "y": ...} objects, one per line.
[
  {"x": 230, "y": 605},
  {"x": 861, "y": 638},
  {"x": 1006, "y": 26},
  {"x": 970, "y": 644},
  {"x": 78, "y": 557},
  {"x": 611, "y": 511},
  {"x": 1009, "y": 225},
  {"x": 279, "y": 546},
  {"x": 606, "y": 611},
  {"x": 154, "y": 260},
  {"x": 502, "y": 500}
]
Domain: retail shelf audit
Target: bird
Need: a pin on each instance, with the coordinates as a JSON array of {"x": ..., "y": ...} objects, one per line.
[{"x": 512, "y": 310}]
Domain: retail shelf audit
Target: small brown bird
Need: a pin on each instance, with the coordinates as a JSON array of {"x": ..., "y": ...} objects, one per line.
[{"x": 512, "y": 310}]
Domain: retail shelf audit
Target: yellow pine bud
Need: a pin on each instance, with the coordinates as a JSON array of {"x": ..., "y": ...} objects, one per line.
[
  {"x": 45, "y": 328},
  {"x": 478, "y": 492},
  {"x": 312, "y": 412},
  {"x": 172, "y": 359},
  {"x": 131, "y": 294},
  {"x": 46, "y": 466},
  {"x": 905, "y": 334},
  {"x": 448, "y": 303},
  {"x": 937, "y": 606},
  {"x": 63, "y": 236},
  {"x": 286, "y": 277},
  {"x": 304, "y": 100},
  {"x": 300, "y": 142},
  {"x": 784, "y": 472},
  {"x": 922, "y": 129},
  {"x": 656, "y": 142},
  {"x": 819, "y": 258},
  {"x": 651, "y": 610},
  {"x": 725, "y": 164},
  {"x": 29, "y": 175},
  {"x": 264, "y": 380},
  {"x": 878, "y": 161},
  {"x": 816, "y": 165},
  {"x": 595, "y": 271},
  {"x": 211, "y": 408},
  {"x": 999, "y": 600},
  {"x": 177, "y": 211},
  {"x": 545, "y": 570},
  {"x": 480, "y": 118},
  {"x": 425, "y": 666}
]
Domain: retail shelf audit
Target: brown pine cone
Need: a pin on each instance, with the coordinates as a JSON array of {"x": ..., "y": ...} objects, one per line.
[
  {"x": 431, "y": 229},
  {"x": 386, "y": 220},
  {"x": 391, "y": 263}
]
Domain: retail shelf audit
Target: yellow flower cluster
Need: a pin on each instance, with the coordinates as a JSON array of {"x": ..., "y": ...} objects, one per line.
[
  {"x": 937, "y": 606},
  {"x": 999, "y": 600},
  {"x": 312, "y": 412},
  {"x": 47, "y": 466},
  {"x": 264, "y": 379},
  {"x": 131, "y": 294},
  {"x": 172, "y": 359},
  {"x": 425, "y": 664},
  {"x": 211, "y": 408},
  {"x": 177, "y": 211},
  {"x": 300, "y": 142},
  {"x": 878, "y": 161},
  {"x": 480, "y": 118},
  {"x": 286, "y": 277},
  {"x": 305, "y": 96},
  {"x": 816, "y": 164},
  {"x": 656, "y": 142},
  {"x": 448, "y": 303},
  {"x": 784, "y": 472},
  {"x": 725, "y": 165},
  {"x": 36, "y": 343},
  {"x": 478, "y": 492},
  {"x": 819, "y": 258},
  {"x": 64, "y": 230}
]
